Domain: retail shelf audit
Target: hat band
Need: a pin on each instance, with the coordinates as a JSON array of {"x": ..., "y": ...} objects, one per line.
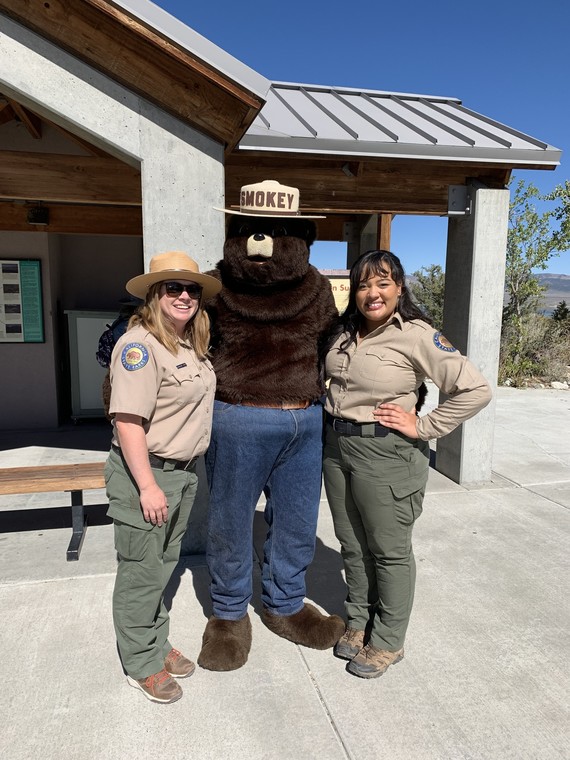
[
  {"x": 166, "y": 271},
  {"x": 267, "y": 212}
]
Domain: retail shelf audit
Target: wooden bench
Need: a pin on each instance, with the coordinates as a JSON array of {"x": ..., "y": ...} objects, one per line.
[{"x": 73, "y": 478}]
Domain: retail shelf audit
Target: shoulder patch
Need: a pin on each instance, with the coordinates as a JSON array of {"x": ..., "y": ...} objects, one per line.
[
  {"x": 442, "y": 343},
  {"x": 134, "y": 356}
]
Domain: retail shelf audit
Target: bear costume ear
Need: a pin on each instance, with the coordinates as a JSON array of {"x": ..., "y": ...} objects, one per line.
[{"x": 245, "y": 226}]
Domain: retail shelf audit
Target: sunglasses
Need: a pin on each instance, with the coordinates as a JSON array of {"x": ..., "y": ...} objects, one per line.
[{"x": 175, "y": 289}]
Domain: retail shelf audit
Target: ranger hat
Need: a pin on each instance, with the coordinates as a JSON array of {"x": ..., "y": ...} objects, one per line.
[
  {"x": 269, "y": 198},
  {"x": 172, "y": 265}
]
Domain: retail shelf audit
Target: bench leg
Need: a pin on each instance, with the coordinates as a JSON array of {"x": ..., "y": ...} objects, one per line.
[{"x": 78, "y": 524}]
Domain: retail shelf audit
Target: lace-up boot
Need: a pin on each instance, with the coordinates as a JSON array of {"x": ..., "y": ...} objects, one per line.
[
  {"x": 177, "y": 665},
  {"x": 158, "y": 688},
  {"x": 372, "y": 662},
  {"x": 349, "y": 644}
]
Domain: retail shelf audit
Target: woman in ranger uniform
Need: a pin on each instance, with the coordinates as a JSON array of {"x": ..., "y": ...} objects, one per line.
[
  {"x": 376, "y": 453},
  {"x": 162, "y": 394}
]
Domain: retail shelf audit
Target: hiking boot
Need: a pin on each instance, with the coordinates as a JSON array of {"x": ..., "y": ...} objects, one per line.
[
  {"x": 372, "y": 662},
  {"x": 158, "y": 688},
  {"x": 349, "y": 644},
  {"x": 177, "y": 665}
]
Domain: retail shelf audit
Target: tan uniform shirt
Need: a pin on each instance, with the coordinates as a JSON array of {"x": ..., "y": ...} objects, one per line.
[
  {"x": 173, "y": 394},
  {"x": 389, "y": 365}
]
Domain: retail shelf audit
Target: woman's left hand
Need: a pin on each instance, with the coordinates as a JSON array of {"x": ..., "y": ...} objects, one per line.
[{"x": 393, "y": 416}]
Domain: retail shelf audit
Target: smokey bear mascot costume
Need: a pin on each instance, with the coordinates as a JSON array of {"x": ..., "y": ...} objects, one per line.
[{"x": 267, "y": 323}]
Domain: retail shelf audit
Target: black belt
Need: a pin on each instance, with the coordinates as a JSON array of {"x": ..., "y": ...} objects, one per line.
[
  {"x": 159, "y": 462},
  {"x": 362, "y": 429}
]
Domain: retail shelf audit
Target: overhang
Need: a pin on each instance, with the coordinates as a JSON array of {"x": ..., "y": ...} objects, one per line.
[{"x": 315, "y": 119}]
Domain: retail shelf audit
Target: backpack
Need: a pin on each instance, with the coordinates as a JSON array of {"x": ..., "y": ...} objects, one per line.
[{"x": 108, "y": 339}]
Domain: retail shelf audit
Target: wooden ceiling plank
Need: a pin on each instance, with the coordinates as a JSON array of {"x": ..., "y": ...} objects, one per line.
[
  {"x": 74, "y": 219},
  {"x": 64, "y": 178}
]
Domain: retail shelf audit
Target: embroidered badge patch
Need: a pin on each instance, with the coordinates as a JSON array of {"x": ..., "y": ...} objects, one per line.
[
  {"x": 134, "y": 356},
  {"x": 442, "y": 343}
]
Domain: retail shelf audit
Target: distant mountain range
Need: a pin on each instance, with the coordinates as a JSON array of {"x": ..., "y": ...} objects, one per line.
[{"x": 558, "y": 290}]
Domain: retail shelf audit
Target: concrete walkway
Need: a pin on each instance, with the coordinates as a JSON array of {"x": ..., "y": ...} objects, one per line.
[{"x": 486, "y": 672}]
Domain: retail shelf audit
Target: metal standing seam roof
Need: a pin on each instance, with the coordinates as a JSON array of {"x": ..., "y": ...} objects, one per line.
[{"x": 316, "y": 119}]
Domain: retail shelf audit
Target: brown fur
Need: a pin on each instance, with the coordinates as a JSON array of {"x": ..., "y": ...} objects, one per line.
[
  {"x": 308, "y": 627},
  {"x": 267, "y": 324},
  {"x": 225, "y": 644}
]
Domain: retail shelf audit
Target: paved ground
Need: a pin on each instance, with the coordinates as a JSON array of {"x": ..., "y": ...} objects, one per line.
[{"x": 486, "y": 670}]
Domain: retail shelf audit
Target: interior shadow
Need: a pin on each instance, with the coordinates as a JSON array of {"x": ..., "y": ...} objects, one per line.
[{"x": 86, "y": 435}]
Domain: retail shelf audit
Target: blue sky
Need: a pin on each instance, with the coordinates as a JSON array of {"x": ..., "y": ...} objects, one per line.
[{"x": 506, "y": 59}]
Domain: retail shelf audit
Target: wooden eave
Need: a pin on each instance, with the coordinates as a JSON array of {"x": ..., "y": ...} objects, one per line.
[
  {"x": 377, "y": 185},
  {"x": 125, "y": 49}
]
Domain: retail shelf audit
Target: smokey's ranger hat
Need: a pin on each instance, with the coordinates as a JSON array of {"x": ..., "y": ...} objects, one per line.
[
  {"x": 172, "y": 265},
  {"x": 269, "y": 198}
]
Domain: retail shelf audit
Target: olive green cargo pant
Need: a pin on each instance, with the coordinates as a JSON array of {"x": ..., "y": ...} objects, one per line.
[
  {"x": 375, "y": 489},
  {"x": 147, "y": 556}
]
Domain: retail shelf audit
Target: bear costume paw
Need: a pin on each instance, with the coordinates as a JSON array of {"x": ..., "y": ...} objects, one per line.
[
  {"x": 308, "y": 627},
  {"x": 225, "y": 644}
]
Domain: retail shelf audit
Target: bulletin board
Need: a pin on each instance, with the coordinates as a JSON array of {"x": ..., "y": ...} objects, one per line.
[{"x": 21, "y": 308}]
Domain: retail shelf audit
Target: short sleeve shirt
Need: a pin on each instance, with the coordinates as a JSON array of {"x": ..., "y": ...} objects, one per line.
[
  {"x": 174, "y": 394},
  {"x": 389, "y": 365}
]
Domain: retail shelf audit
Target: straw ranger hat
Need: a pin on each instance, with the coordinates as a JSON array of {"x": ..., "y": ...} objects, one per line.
[
  {"x": 172, "y": 265},
  {"x": 268, "y": 198}
]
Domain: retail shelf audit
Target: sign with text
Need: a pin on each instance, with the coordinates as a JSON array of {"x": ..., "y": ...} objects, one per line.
[
  {"x": 340, "y": 284},
  {"x": 21, "y": 311}
]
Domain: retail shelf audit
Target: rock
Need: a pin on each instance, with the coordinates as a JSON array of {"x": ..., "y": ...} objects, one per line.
[{"x": 559, "y": 386}]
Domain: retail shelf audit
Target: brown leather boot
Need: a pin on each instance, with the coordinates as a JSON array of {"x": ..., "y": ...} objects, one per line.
[
  {"x": 308, "y": 627},
  {"x": 372, "y": 662},
  {"x": 158, "y": 687},
  {"x": 225, "y": 644},
  {"x": 177, "y": 665},
  {"x": 349, "y": 644}
]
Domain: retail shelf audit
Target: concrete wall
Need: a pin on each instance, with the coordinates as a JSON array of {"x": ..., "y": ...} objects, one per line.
[{"x": 95, "y": 268}]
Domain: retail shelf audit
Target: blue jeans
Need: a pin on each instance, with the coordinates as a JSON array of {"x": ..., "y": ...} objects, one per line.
[{"x": 257, "y": 450}]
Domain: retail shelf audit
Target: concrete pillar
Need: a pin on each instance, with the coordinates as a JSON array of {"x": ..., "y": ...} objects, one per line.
[
  {"x": 361, "y": 236},
  {"x": 182, "y": 176},
  {"x": 474, "y": 287}
]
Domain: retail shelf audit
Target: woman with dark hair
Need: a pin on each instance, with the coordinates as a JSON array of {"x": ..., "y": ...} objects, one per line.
[
  {"x": 376, "y": 453},
  {"x": 162, "y": 395}
]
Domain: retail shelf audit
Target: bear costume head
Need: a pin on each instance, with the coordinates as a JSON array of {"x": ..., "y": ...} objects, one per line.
[
  {"x": 274, "y": 307},
  {"x": 267, "y": 241}
]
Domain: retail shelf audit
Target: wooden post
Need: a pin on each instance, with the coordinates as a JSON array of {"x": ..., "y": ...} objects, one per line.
[{"x": 384, "y": 231}]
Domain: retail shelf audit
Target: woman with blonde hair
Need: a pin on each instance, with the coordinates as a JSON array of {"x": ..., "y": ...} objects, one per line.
[{"x": 162, "y": 392}]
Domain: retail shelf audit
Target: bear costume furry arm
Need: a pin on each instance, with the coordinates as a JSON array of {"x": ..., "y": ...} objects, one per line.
[{"x": 265, "y": 344}]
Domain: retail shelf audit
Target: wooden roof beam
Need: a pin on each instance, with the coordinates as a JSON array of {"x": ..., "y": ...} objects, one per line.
[
  {"x": 32, "y": 122},
  {"x": 64, "y": 178},
  {"x": 74, "y": 219}
]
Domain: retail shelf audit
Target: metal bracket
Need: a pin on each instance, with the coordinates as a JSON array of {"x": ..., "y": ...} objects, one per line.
[{"x": 458, "y": 200}]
